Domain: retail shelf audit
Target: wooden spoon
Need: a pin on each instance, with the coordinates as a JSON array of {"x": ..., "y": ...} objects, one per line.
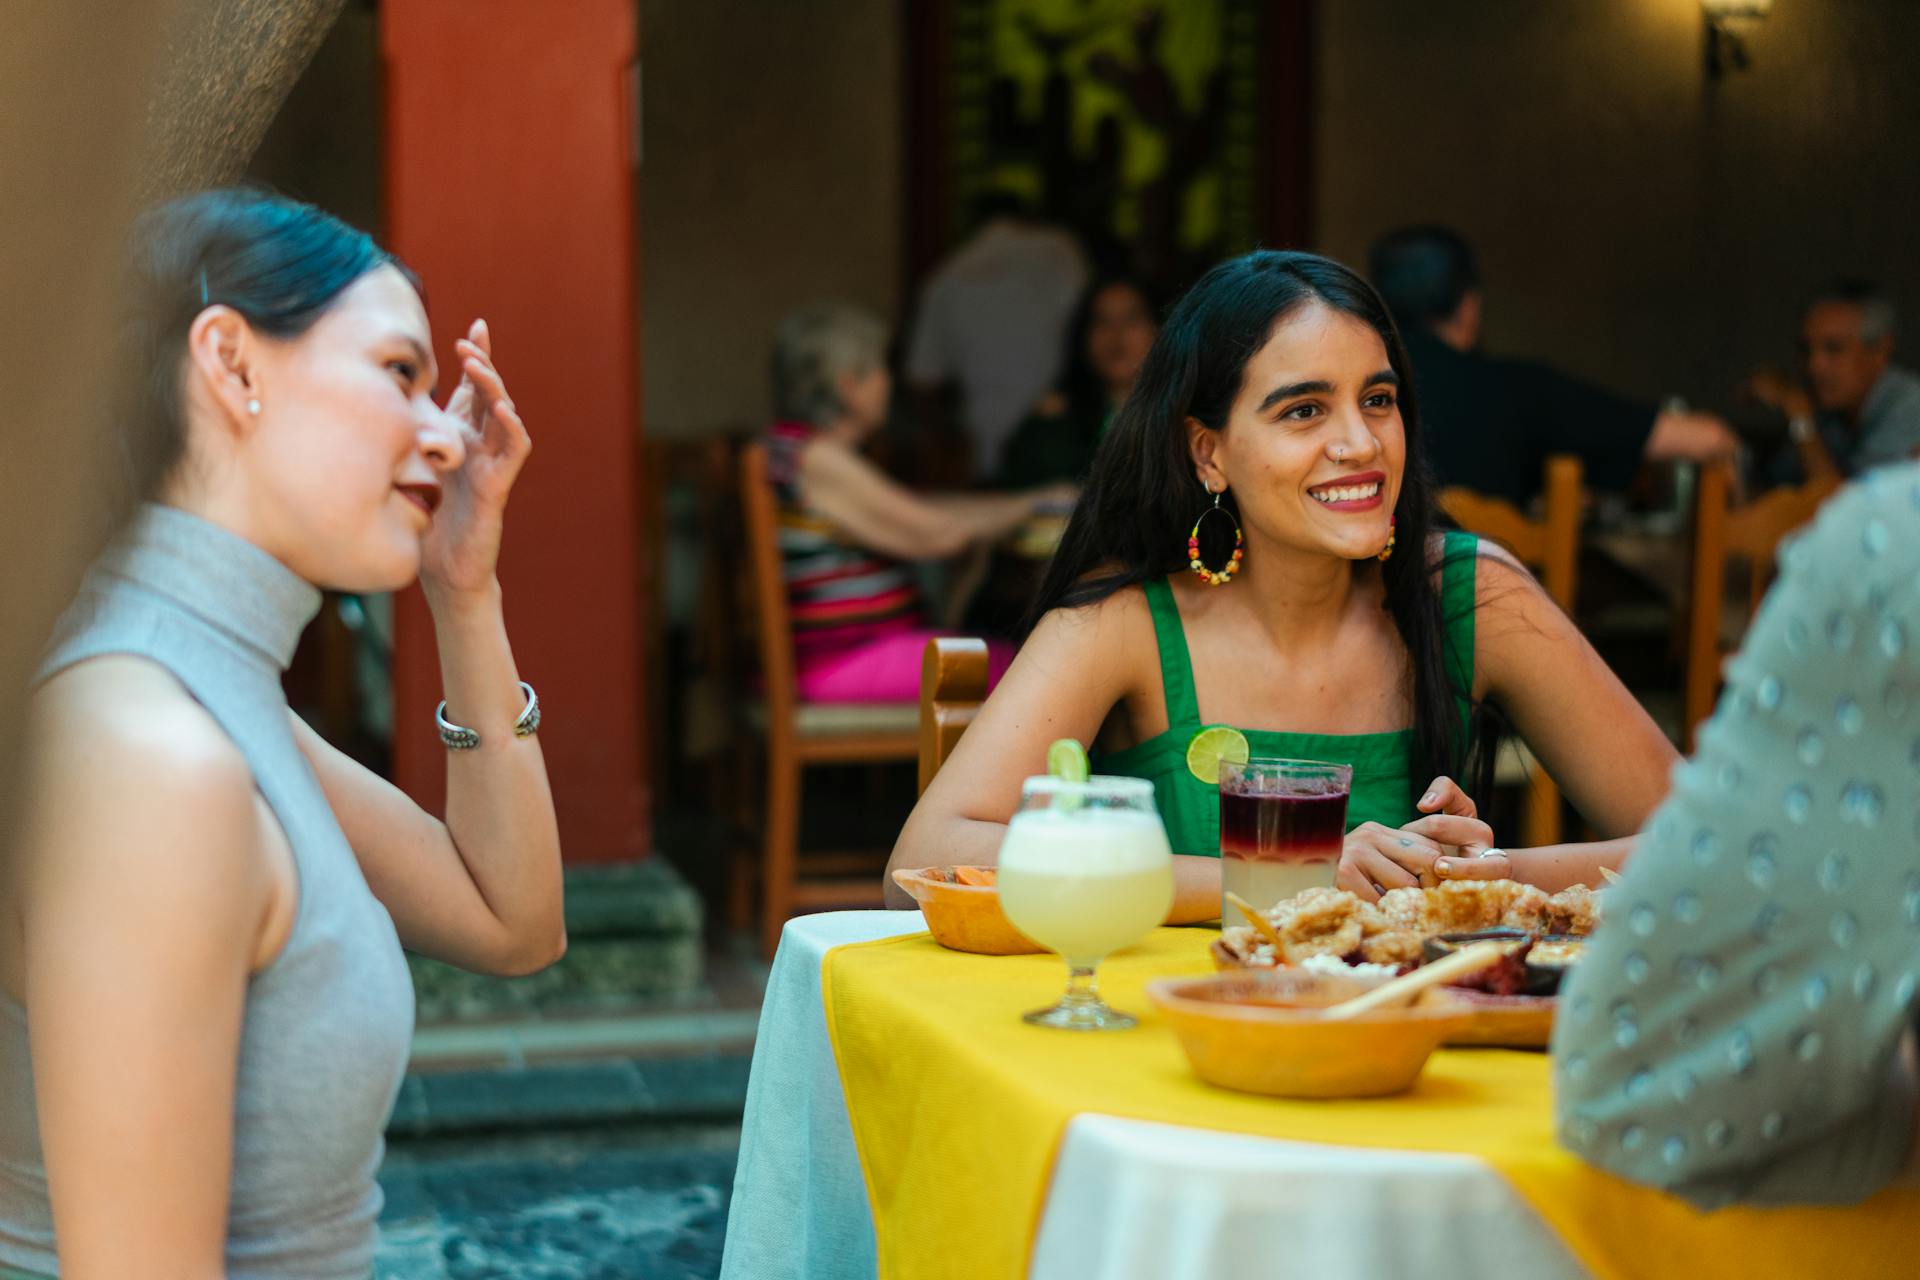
[{"x": 1468, "y": 959}]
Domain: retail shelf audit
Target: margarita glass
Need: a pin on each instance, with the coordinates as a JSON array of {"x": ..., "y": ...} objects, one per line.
[{"x": 1084, "y": 871}]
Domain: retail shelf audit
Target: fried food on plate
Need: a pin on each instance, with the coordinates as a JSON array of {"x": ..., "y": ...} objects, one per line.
[
  {"x": 1574, "y": 912},
  {"x": 1334, "y": 922},
  {"x": 1341, "y": 942}
]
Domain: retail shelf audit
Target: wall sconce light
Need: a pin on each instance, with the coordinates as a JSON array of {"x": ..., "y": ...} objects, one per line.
[{"x": 1728, "y": 22}]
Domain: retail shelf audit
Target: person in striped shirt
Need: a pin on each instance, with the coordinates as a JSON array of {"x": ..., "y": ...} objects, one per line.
[{"x": 847, "y": 529}]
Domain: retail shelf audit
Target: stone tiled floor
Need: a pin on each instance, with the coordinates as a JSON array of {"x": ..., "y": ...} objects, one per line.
[
  {"x": 574, "y": 1145},
  {"x": 622, "y": 1203}
]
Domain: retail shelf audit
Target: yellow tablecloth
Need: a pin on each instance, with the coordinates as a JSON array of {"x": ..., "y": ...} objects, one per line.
[{"x": 958, "y": 1109}]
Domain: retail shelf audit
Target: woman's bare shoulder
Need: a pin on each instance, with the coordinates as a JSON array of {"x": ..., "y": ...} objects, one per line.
[
  {"x": 122, "y": 729},
  {"x": 1496, "y": 571},
  {"x": 1107, "y": 619},
  {"x": 146, "y": 833},
  {"x": 1490, "y": 553},
  {"x": 1107, "y": 643},
  {"x": 144, "y": 817},
  {"x": 1445, "y": 547}
]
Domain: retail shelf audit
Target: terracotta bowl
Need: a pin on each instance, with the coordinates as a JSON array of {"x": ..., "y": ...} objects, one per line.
[
  {"x": 1260, "y": 1031},
  {"x": 964, "y": 917}
]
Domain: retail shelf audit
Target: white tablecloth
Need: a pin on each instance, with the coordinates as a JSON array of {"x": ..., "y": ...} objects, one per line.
[{"x": 1129, "y": 1200}]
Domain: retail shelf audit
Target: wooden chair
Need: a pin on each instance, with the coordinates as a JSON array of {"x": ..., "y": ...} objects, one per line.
[
  {"x": 1550, "y": 547},
  {"x": 799, "y": 734},
  {"x": 1720, "y": 533},
  {"x": 953, "y": 684}
]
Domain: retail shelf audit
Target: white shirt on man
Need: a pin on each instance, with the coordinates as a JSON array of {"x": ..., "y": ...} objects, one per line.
[{"x": 993, "y": 318}]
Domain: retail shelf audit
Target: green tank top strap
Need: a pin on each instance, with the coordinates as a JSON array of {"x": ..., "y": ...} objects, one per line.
[
  {"x": 1176, "y": 666},
  {"x": 1460, "y": 553}
]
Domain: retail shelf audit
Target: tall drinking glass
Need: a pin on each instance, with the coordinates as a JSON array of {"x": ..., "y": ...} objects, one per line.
[
  {"x": 1084, "y": 871},
  {"x": 1282, "y": 823}
]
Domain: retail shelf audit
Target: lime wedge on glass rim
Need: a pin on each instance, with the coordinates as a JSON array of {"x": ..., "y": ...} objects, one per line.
[
  {"x": 1067, "y": 761},
  {"x": 1208, "y": 749}
]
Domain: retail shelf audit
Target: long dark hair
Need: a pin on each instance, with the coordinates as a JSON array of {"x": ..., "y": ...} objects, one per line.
[
  {"x": 278, "y": 262},
  {"x": 1132, "y": 521}
]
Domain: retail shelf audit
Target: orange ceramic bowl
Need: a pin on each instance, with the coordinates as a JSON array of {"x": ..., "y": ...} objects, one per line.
[
  {"x": 964, "y": 917},
  {"x": 1261, "y": 1031}
]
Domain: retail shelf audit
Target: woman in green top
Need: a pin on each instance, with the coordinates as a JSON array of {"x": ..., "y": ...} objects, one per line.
[{"x": 1346, "y": 630}]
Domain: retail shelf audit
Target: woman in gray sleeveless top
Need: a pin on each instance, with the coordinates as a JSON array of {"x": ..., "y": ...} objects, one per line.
[{"x": 204, "y": 978}]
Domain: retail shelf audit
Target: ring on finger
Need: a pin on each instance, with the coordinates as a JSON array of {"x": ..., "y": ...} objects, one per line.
[{"x": 1491, "y": 852}]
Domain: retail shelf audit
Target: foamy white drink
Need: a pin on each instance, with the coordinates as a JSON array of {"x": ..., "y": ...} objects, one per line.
[{"x": 1086, "y": 882}]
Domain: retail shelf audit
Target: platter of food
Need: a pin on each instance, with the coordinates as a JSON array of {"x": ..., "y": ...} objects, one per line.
[{"x": 1325, "y": 931}]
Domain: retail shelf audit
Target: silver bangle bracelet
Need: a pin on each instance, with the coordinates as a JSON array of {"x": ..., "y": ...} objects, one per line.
[{"x": 458, "y": 737}]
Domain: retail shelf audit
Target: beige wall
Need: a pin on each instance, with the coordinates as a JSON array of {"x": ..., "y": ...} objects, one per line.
[
  {"x": 771, "y": 177},
  {"x": 1634, "y": 224}
]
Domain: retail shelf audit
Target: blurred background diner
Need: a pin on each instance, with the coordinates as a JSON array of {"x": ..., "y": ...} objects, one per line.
[
  {"x": 1855, "y": 408},
  {"x": 986, "y": 334},
  {"x": 1493, "y": 423},
  {"x": 846, "y": 527},
  {"x": 1107, "y": 339},
  {"x": 1650, "y": 260}
]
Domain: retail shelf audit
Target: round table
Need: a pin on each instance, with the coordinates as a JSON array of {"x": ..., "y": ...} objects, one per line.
[{"x": 1128, "y": 1199}]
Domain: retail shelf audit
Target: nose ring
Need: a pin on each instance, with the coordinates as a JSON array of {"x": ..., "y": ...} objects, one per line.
[{"x": 1340, "y": 453}]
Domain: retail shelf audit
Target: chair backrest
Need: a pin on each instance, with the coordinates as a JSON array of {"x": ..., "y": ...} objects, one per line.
[
  {"x": 1549, "y": 546},
  {"x": 772, "y": 622},
  {"x": 1722, "y": 533},
  {"x": 953, "y": 684}
]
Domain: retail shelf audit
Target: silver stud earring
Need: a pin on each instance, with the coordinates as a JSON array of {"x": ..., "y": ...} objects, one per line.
[{"x": 253, "y": 407}]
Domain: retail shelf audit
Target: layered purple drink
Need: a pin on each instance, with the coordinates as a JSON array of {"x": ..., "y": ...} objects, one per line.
[{"x": 1282, "y": 823}]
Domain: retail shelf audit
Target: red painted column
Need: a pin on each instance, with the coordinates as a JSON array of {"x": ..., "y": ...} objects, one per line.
[{"x": 509, "y": 153}]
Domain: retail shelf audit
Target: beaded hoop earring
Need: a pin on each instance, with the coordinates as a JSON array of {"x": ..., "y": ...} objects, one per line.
[
  {"x": 1386, "y": 552},
  {"x": 1212, "y": 577}
]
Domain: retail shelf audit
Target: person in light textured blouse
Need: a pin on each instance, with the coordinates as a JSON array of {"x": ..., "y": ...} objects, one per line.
[{"x": 1741, "y": 1028}]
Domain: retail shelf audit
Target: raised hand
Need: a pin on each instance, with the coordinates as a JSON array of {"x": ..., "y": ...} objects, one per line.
[{"x": 462, "y": 547}]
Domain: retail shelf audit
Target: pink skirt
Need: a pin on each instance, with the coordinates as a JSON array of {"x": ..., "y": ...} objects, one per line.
[{"x": 884, "y": 669}]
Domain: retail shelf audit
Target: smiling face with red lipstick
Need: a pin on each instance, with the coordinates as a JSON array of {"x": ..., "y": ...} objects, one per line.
[
  {"x": 325, "y": 446},
  {"x": 1313, "y": 449},
  {"x": 347, "y": 458},
  {"x": 280, "y": 379},
  {"x": 1278, "y": 383}
]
